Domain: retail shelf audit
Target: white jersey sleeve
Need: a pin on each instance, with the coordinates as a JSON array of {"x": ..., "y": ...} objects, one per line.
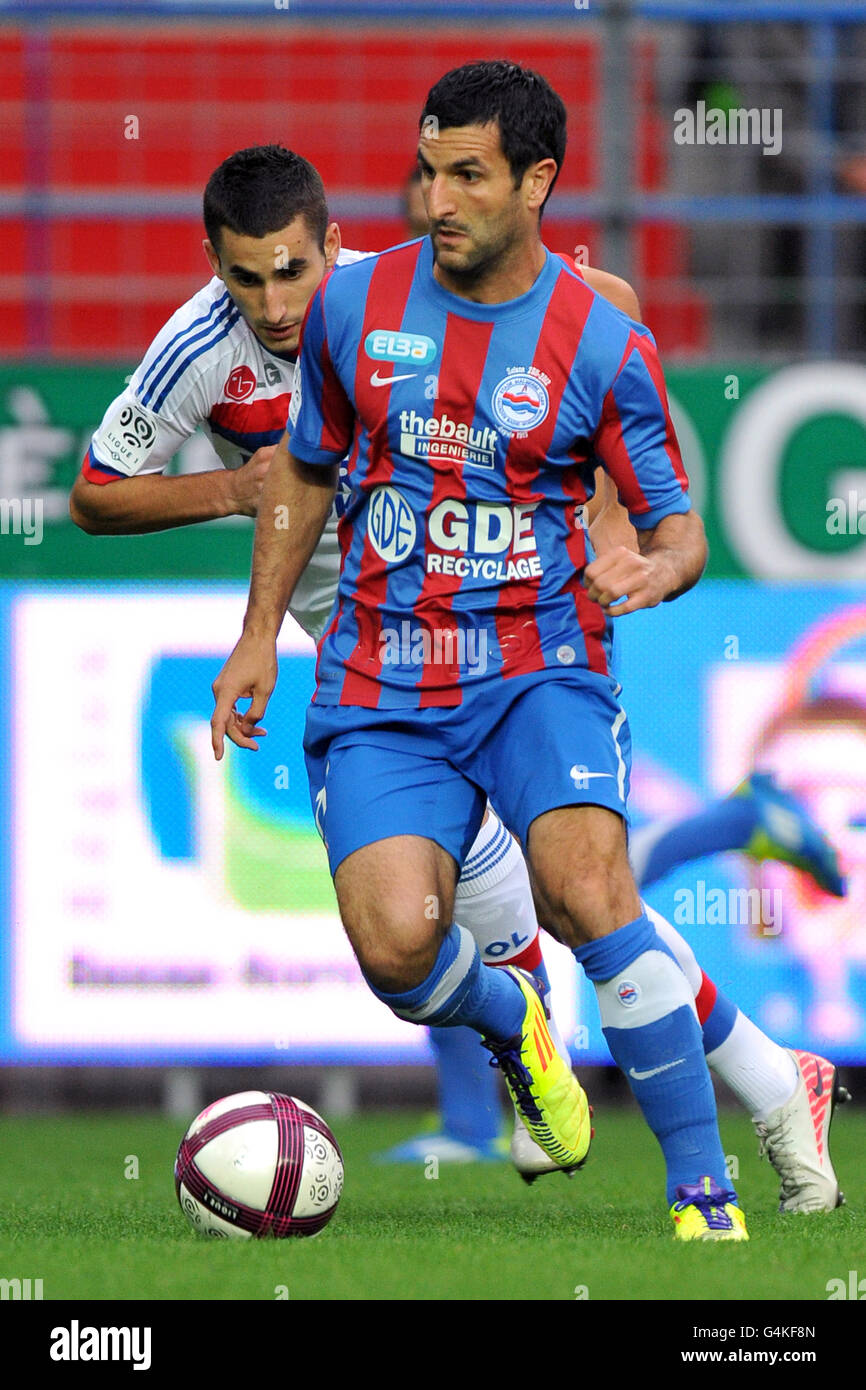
[
  {"x": 172, "y": 391},
  {"x": 207, "y": 369}
]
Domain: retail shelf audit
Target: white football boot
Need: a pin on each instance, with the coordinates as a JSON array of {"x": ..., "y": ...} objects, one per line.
[
  {"x": 795, "y": 1137},
  {"x": 529, "y": 1158}
]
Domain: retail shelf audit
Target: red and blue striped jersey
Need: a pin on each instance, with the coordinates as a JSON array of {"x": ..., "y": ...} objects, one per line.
[{"x": 471, "y": 434}]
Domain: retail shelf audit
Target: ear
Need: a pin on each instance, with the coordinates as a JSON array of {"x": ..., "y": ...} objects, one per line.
[
  {"x": 213, "y": 257},
  {"x": 537, "y": 181},
  {"x": 333, "y": 245}
]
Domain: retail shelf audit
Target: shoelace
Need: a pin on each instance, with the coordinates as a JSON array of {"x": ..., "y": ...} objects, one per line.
[
  {"x": 712, "y": 1207},
  {"x": 778, "y": 1146},
  {"x": 507, "y": 1057},
  {"x": 716, "y": 1216}
]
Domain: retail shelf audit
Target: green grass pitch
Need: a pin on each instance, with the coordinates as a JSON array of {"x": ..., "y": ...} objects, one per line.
[{"x": 70, "y": 1216}]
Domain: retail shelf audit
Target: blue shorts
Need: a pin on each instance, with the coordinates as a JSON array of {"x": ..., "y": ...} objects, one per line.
[{"x": 530, "y": 745}]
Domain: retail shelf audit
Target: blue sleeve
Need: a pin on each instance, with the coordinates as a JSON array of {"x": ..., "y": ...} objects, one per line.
[
  {"x": 321, "y": 416},
  {"x": 635, "y": 440}
]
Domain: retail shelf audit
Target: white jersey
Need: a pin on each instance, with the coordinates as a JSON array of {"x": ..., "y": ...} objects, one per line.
[{"x": 207, "y": 369}]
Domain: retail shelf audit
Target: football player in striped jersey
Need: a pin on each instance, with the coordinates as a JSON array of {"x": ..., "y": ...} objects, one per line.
[
  {"x": 221, "y": 364},
  {"x": 465, "y": 514}
]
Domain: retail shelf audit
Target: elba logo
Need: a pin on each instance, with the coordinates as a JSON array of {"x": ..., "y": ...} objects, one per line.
[
  {"x": 388, "y": 345},
  {"x": 628, "y": 993}
]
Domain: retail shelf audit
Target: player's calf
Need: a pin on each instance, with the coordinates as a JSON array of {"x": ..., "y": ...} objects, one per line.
[{"x": 647, "y": 1006}]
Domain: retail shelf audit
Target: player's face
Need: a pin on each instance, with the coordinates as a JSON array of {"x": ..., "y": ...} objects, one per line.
[
  {"x": 273, "y": 278},
  {"x": 477, "y": 216}
]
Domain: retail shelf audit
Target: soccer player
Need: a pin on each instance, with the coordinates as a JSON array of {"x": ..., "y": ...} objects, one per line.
[
  {"x": 465, "y": 520},
  {"x": 761, "y": 821},
  {"x": 221, "y": 363}
]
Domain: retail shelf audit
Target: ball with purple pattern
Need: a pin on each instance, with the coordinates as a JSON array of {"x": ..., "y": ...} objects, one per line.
[{"x": 258, "y": 1164}]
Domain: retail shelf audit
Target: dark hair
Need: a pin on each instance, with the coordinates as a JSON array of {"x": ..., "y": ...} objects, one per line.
[
  {"x": 530, "y": 115},
  {"x": 262, "y": 189}
]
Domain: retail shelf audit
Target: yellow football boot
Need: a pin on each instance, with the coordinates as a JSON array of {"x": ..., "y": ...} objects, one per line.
[
  {"x": 704, "y": 1211},
  {"x": 544, "y": 1089}
]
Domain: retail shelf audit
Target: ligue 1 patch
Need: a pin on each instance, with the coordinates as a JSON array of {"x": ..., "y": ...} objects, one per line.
[
  {"x": 629, "y": 993},
  {"x": 295, "y": 402},
  {"x": 391, "y": 525},
  {"x": 520, "y": 400},
  {"x": 126, "y": 437},
  {"x": 241, "y": 384}
]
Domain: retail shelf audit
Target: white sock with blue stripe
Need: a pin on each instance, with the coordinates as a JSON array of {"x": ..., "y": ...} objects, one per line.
[{"x": 494, "y": 902}]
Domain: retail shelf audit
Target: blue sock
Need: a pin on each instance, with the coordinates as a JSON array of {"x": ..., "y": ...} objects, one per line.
[
  {"x": 723, "y": 825},
  {"x": 461, "y": 990},
  {"x": 469, "y": 1101},
  {"x": 654, "y": 1037}
]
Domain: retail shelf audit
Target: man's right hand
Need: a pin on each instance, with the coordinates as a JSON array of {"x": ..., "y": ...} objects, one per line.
[
  {"x": 245, "y": 483},
  {"x": 153, "y": 502},
  {"x": 250, "y": 673}
]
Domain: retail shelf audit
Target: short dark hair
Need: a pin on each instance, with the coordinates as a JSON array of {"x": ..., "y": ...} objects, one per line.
[
  {"x": 530, "y": 115},
  {"x": 262, "y": 189}
]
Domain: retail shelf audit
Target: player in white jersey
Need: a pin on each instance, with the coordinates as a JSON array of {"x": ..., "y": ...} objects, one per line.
[{"x": 223, "y": 363}]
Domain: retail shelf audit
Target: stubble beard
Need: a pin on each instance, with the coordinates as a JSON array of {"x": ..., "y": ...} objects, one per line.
[{"x": 479, "y": 262}]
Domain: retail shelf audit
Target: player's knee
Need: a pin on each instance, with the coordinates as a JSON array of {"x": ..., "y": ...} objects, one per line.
[
  {"x": 394, "y": 957},
  {"x": 593, "y": 902}
]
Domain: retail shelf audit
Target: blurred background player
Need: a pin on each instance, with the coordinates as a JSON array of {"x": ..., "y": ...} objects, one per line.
[
  {"x": 414, "y": 209},
  {"x": 815, "y": 736}
]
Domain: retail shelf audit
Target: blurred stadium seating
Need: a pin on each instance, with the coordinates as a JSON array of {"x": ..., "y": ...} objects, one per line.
[{"x": 110, "y": 225}]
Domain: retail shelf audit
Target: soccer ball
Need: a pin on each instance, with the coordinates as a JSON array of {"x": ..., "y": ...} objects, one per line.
[{"x": 258, "y": 1164}]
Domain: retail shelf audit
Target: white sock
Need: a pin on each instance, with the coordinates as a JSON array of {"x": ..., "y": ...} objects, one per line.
[
  {"x": 493, "y": 899},
  {"x": 494, "y": 902},
  {"x": 760, "y": 1073}
]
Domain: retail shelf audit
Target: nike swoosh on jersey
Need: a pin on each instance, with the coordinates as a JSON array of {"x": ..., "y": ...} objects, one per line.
[
  {"x": 377, "y": 380},
  {"x": 577, "y": 774},
  {"x": 654, "y": 1071}
]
